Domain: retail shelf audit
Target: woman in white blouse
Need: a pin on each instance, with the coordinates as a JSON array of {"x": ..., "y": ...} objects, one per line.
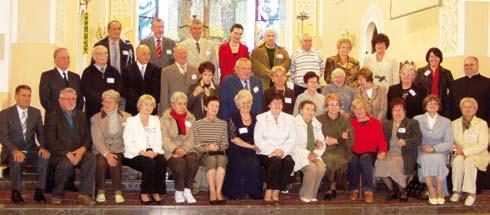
[
  {"x": 385, "y": 68},
  {"x": 143, "y": 150},
  {"x": 308, "y": 150},
  {"x": 274, "y": 136}
]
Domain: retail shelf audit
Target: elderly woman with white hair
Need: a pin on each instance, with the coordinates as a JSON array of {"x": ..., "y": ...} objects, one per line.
[
  {"x": 143, "y": 150},
  {"x": 178, "y": 142},
  {"x": 345, "y": 92},
  {"x": 470, "y": 150},
  {"x": 412, "y": 94},
  {"x": 106, "y": 129}
]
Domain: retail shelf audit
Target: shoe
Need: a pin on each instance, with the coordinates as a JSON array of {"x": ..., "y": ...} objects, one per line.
[
  {"x": 369, "y": 197},
  {"x": 39, "y": 196},
  {"x": 268, "y": 202},
  {"x": 189, "y": 198},
  {"x": 71, "y": 187},
  {"x": 100, "y": 197},
  {"x": 354, "y": 195},
  {"x": 221, "y": 201},
  {"x": 55, "y": 201},
  {"x": 179, "y": 197},
  {"x": 306, "y": 200},
  {"x": 432, "y": 201},
  {"x": 145, "y": 202},
  {"x": 454, "y": 197},
  {"x": 16, "y": 197},
  {"x": 213, "y": 202},
  {"x": 86, "y": 200},
  {"x": 119, "y": 198},
  {"x": 391, "y": 196},
  {"x": 159, "y": 202},
  {"x": 313, "y": 200},
  {"x": 470, "y": 200},
  {"x": 334, "y": 194},
  {"x": 403, "y": 196},
  {"x": 276, "y": 203},
  {"x": 440, "y": 201},
  {"x": 285, "y": 191}
]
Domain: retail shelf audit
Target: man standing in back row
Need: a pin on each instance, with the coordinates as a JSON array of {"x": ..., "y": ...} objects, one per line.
[{"x": 161, "y": 47}]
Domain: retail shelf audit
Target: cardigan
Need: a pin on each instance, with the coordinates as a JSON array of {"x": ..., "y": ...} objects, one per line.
[
  {"x": 300, "y": 152},
  {"x": 369, "y": 137}
]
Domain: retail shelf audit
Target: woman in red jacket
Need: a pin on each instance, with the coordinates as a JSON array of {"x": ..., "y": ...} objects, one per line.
[
  {"x": 231, "y": 51},
  {"x": 368, "y": 141}
]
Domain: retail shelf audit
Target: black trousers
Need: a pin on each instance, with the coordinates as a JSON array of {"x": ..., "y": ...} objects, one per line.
[
  {"x": 31, "y": 158},
  {"x": 64, "y": 169},
  {"x": 277, "y": 171},
  {"x": 153, "y": 173}
]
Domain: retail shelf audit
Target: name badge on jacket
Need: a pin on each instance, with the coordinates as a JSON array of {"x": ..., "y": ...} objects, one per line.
[
  {"x": 243, "y": 130},
  {"x": 472, "y": 135},
  {"x": 256, "y": 89},
  {"x": 288, "y": 100},
  {"x": 402, "y": 130},
  {"x": 188, "y": 124},
  {"x": 110, "y": 80}
]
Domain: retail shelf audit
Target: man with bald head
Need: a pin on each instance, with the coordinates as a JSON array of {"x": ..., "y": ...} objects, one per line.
[
  {"x": 140, "y": 78},
  {"x": 161, "y": 47},
  {"x": 176, "y": 77},
  {"x": 98, "y": 78}
]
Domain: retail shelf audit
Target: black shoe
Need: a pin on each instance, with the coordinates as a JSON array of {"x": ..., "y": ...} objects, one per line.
[
  {"x": 213, "y": 202},
  {"x": 16, "y": 197},
  {"x": 222, "y": 201},
  {"x": 403, "y": 196},
  {"x": 391, "y": 196},
  {"x": 327, "y": 196},
  {"x": 71, "y": 187},
  {"x": 39, "y": 196}
]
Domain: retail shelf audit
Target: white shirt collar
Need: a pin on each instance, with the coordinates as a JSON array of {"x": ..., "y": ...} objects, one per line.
[
  {"x": 156, "y": 38},
  {"x": 100, "y": 67},
  {"x": 431, "y": 120},
  {"x": 196, "y": 41},
  {"x": 20, "y": 110},
  {"x": 180, "y": 67},
  {"x": 140, "y": 65},
  {"x": 61, "y": 72}
]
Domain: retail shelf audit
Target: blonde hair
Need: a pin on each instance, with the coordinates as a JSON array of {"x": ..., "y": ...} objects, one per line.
[
  {"x": 99, "y": 48},
  {"x": 178, "y": 96},
  {"x": 358, "y": 102},
  {"x": 342, "y": 40},
  {"x": 195, "y": 22},
  {"x": 408, "y": 68},
  {"x": 468, "y": 100},
  {"x": 277, "y": 69},
  {"x": 111, "y": 94},
  {"x": 243, "y": 96},
  {"x": 146, "y": 98},
  {"x": 242, "y": 61},
  {"x": 332, "y": 97},
  {"x": 337, "y": 72}
]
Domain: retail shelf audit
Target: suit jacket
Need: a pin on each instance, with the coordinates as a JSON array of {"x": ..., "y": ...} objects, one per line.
[
  {"x": 126, "y": 52},
  {"x": 424, "y": 80},
  {"x": 11, "y": 136},
  {"x": 227, "y": 59},
  {"x": 172, "y": 81},
  {"x": 52, "y": 83},
  {"x": 102, "y": 139},
  {"x": 94, "y": 83},
  {"x": 61, "y": 138},
  {"x": 207, "y": 53},
  {"x": 409, "y": 131},
  {"x": 440, "y": 137},
  {"x": 134, "y": 85},
  {"x": 230, "y": 87},
  {"x": 413, "y": 100},
  {"x": 477, "y": 87},
  {"x": 167, "y": 50},
  {"x": 473, "y": 140},
  {"x": 196, "y": 103},
  {"x": 260, "y": 63}
]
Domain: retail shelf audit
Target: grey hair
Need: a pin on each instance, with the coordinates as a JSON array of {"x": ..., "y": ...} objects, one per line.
[{"x": 68, "y": 90}]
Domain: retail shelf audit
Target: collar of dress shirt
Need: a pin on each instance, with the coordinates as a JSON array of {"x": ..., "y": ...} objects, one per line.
[
  {"x": 113, "y": 41},
  {"x": 140, "y": 65},
  {"x": 156, "y": 39},
  {"x": 20, "y": 110},
  {"x": 197, "y": 41},
  {"x": 99, "y": 67},
  {"x": 61, "y": 72}
]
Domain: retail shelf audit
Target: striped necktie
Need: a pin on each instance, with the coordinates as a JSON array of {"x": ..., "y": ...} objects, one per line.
[{"x": 23, "y": 121}]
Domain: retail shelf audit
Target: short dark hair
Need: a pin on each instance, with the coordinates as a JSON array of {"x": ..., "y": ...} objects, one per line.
[
  {"x": 206, "y": 65},
  {"x": 366, "y": 73},
  {"x": 310, "y": 75},
  {"x": 397, "y": 102},
  {"x": 210, "y": 99},
  {"x": 113, "y": 21},
  {"x": 434, "y": 50},
  {"x": 380, "y": 38},
  {"x": 236, "y": 25},
  {"x": 22, "y": 87},
  {"x": 276, "y": 96},
  {"x": 306, "y": 102},
  {"x": 430, "y": 98}
]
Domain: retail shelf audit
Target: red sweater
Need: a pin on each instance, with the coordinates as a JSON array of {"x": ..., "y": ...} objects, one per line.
[
  {"x": 227, "y": 59},
  {"x": 368, "y": 137}
]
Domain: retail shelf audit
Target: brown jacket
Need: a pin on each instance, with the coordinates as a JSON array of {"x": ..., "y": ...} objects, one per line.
[
  {"x": 103, "y": 141},
  {"x": 171, "y": 137},
  {"x": 260, "y": 62}
]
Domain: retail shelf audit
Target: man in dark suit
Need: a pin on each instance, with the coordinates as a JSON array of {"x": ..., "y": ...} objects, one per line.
[
  {"x": 98, "y": 78},
  {"x": 231, "y": 85},
  {"x": 140, "y": 78},
  {"x": 161, "y": 47},
  {"x": 53, "y": 81},
  {"x": 19, "y": 126},
  {"x": 120, "y": 52},
  {"x": 68, "y": 138}
]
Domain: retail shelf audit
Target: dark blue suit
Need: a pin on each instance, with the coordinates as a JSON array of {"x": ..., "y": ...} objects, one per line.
[{"x": 230, "y": 87}]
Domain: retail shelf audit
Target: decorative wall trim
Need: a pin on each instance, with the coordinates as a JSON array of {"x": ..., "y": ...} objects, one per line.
[{"x": 452, "y": 27}]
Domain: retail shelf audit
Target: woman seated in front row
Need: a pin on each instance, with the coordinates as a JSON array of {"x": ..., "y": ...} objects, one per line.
[
  {"x": 178, "y": 142},
  {"x": 274, "y": 134},
  {"x": 143, "y": 150},
  {"x": 307, "y": 151},
  {"x": 211, "y": 140},
  {"x": 404, "y": 137}
]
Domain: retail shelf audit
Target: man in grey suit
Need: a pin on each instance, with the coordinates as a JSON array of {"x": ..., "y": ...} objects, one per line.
[
  {"x": 200, "y": 49},
  {"x": 176, "y": 77},
  {"x": 161, "y": 47},
  {"x": 19, "y": 126}
]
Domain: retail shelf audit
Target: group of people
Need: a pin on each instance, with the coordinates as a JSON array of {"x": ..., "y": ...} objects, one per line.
[{"x": 187, "y": 108}]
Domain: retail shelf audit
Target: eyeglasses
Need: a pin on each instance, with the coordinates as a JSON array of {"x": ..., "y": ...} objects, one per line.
[{"x": 69, "y": 99}]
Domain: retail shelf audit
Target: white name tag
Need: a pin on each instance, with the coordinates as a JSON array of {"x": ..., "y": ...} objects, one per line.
[
  {"x": 169, "y": 51},
  {"x": 125, "y": 52},
  {"x": 194, "y": 77},
  {"x": 256, "y": 89},
  {"x": 188, "y": 124},
  {"x": 290, "y": 85},
  {"x": 243, "y": 130},
  {"x": 473, "y": 135},
  {"x": 412, "y": 92},
  {"x": 427, "y": 73},
  {"x": 110, "y": 80},
  {"x": 279, "y": 56},
  {"x": 288, "y": 100},
  {"x": 402, "y": 130},
  {"x": 208, "y": 53}
]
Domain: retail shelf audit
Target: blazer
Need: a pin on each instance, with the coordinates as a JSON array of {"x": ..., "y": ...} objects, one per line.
[
  {"x": 171, "y": 137},
  {"x": 207, "y": 53},
  {"x": 227, "y": 59},
  {"x": 94, "y": 83},
  {"x": 260, "y": 62},
  {"x": 440, "y": 136},
  {"x": 135, "y": 137},
  {"x": 409, "y": 131},
  {"x": 413, "y": 101},
  {"x": 424, "y": 79},
  {"x": 386, "y": 72},
  {"x": 11, "y": 135},
  {"x": 230, "y": 87},
  {"x": 196, "y": 103},
  {"x": 473, "y": 140},
  {"x": 61, "y": 138},
  {"x": 478, "y": 87},
  {"x": 126, "y": 51},
  {"x": 172, "y": 81},
  {"x": 350, "y": 69},
  {"x": 134, "y": 85},
  {"x": 167, "y": 50},
  {"x": 104, "y": 141},
  {"x": 52, "y": 83},
  {"x": 299, "y": 151},
  {"x": 378, "y": 102},
  {"x": 270, "y": 134}
]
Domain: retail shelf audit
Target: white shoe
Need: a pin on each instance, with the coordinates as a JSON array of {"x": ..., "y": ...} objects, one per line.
[
  {"x": 119, "y": 198},
  {"x": 306, "y": 200},
  {"x": 100, "y": 197},
  {"x": 433, "y": 201},
  {"x": 284, "y": 191},
  {"x": 189, "y": 198},
  {"x": 454, "y": 197},
  {"x": 179, "y": 197},
  {"x": 314, "y": 200},
  {"x": 440, "y": 201},
  {"x": 470, "y": 200}
]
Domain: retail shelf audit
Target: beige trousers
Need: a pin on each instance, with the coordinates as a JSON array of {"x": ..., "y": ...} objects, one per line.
[
  {"x": 464, "y": 175},
  {"x": 312, "y": 177}
]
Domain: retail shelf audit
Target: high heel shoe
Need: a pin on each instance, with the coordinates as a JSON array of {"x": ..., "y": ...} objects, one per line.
[
  {"x": 403, "y": 196},
  {"x": 329, "y": 195},
  {"x": 155, "y": 201},
  {"x": 145, "y": 202}
]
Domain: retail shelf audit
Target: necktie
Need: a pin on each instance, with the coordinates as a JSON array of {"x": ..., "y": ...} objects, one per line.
[
  {"x": 143, "y": 72},
  {"x": 23, "y": 121},
  {"x": 310, "y": 137},
  {"x": 102, "y": 70},
  {"x": 159, "y": 49},
  {"x": 65, "y": 78},
  {"x": 182, "y": 67},
  {"x": 198, "y": 47},
  {"x": 245, "y": 85},
  {"x": 115, "y": 56}
]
